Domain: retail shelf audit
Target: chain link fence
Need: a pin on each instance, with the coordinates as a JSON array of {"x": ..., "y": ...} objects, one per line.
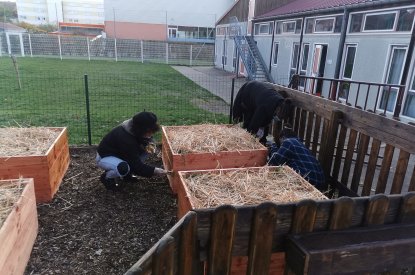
[
  {"x": 91, "y": 104},
  {"x": 65, "y": 47}
]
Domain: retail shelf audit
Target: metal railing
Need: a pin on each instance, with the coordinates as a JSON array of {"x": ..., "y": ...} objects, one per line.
[{"x": 381, "y": 98}]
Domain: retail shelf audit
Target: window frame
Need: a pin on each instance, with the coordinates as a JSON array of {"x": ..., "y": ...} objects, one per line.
[
  {"x": 270, "y": 28},
  {"x": 411, "y": 90},
  {"x": 386, "y": 74},
  {"x": 292, "y": 59},
  {"x": 286, "y": 22},
  {"x": 324, "y": 18},
  {"x": 273, "y": 54},
  {"x": 380, "y": 13},
  {"x": 347, "y": 46}
]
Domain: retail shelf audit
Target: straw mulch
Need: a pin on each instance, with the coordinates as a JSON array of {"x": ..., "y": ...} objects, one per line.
[
  {"x": 10, "y": 192},
  {"x": 249, "y": 187},
  {"x": 210, "y": 138},
  {"x": 26, "y": 141}
]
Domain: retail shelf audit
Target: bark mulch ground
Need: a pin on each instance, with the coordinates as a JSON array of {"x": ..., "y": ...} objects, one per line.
[{"x": 89, "y": 230}]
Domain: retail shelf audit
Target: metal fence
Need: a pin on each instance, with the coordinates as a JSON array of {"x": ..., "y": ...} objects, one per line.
[
  {"x": 65, "y": 47},
  {"x": 90, "y": 105}
]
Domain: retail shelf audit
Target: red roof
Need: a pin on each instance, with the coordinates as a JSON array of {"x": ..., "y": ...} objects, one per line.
[{"x": 310, "y": 5}]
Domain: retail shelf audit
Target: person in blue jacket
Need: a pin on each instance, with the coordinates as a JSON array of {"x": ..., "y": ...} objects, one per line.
[
  {"x": 256, "y": 104},
  {"x": 292, "y": 152},
  {"x": 122, "y": 152}
]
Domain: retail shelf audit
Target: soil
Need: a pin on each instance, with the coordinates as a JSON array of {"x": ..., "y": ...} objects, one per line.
[{"x": 89, "y": 230}]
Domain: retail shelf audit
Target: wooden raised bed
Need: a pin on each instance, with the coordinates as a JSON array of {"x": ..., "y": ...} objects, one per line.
[
  {"x": 19, "y": 230},
  {"x": 207, "y": 160},
  {"x": 47, "y": 170},
  {"x": 186, "y": 202}
]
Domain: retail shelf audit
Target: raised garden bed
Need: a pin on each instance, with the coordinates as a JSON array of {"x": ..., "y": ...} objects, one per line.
[
  {"x": 38, "y": 153},
  {"x": 18, "y": 224},
  {"x": 241, "y": 187},
  {"x": 208, "y": 146}
]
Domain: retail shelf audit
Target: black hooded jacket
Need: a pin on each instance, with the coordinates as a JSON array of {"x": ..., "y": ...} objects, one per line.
[
  {"x": 120, "y": 142},
  {"x": 255, "y": 105}
]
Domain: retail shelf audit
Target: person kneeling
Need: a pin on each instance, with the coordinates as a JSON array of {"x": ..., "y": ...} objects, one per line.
[
  {"x": 122, "y": 151},
  {"x": 294, "y": 154}
]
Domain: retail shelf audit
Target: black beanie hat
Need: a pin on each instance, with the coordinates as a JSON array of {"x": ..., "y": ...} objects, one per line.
[{"x": 145, "y": 121}]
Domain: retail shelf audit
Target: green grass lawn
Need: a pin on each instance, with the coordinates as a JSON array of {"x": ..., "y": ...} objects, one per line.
[{"x": 53, "y": 94}]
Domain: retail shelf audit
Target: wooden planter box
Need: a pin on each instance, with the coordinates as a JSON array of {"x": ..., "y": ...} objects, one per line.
[
  {"x": 19, "y": 231},
  {"x": 239, "y": 263},
  {"x": 202, "y": 161},
  {"x": 46, "y": 170}
]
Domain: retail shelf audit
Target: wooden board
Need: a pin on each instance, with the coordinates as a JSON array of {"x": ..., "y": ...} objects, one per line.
[
  {"x": 353, "y": 251},
  {"x": 203, "y": 161},
  {"x": 19, "y": 231},
  {"x": 47, "y": 170}
]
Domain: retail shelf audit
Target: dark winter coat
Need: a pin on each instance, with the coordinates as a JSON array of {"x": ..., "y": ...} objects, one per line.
[
  {"x": 121, "y": 143},
  {"x": 255, "y": 105}
]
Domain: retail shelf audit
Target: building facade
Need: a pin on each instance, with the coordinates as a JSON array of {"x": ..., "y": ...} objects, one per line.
[
  {"x": 163, "y": 20},
  {"x": 357, "y": 40},
  {"x": 38, "y": 12}
]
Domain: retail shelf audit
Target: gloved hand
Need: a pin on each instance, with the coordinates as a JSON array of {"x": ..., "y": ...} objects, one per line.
[{"x": 159, "y": 171}]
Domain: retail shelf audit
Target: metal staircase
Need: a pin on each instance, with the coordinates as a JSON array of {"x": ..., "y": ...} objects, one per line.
[{"x": 249, "y": 53}]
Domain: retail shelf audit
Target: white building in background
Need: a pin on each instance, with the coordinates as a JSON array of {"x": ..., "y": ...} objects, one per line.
[
  {"x": 39, "y": 12},
  {"x": 164, "y": 20}
]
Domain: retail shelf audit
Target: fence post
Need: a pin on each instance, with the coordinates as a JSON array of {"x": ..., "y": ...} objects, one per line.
[
  {"x": 9, "y": 48},
  {"x": 88, "y": 113},
  {"x": 30, "y": 46},
  {"x": 191, "y": 51},
  {"x": 87, "y": 44},
  {"x": 142, "y": 51},
  {"x": 21, "y": 44},
  {"x": 115, "y": 49},
  {"x": 231, "y": 106},
  {"x": 60, "y": 46},
  {"x": 167, "y": 53}
]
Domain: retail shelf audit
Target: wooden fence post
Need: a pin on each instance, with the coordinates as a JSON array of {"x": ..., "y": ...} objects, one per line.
[
  {"x": 163, "y": 259},
  {"x": 221, "y": 238},
  {"x": 260, "y": 242},
  {"x": 187, "y": 250},
  {"x": 328, "y": 142}
]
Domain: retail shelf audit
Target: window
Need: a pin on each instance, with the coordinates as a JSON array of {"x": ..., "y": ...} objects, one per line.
[
  {"x": 304, "y": 63},
  {"x": 291, "y": 26},
  {"x": 225, "y": 52},
  {"x": 294, "y": 59},
  {"x": 409, "y": 108},
  {"x": 288, "y": 27},
  {"x": 338, "y": 24},
  {"x": 405, "y": 20},
  {"x": 348, "y": 63},
  {"x": 324, "y": 25},
  {"x": 380, "y": 22},
  {"x": 309, "y": 25},
  {"x": 263, "y": 28},
  {"x": 220, "y": 31},
  {"x": 235, "y": 57},
  {"x": 356, "y": 22},
  {"x": 393, "y": 76},
  {"x": 275, "y": 54}
]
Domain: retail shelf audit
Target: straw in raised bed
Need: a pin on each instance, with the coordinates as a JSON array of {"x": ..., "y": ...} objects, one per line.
[
  {"x": 10, "y": 192},
  {"x": 248, "y": 187},
  {"x": 210, "y": 138},
  {"x": 26, "y": 141}
]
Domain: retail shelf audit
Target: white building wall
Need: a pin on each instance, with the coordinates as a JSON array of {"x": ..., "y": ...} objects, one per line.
[
  {"x": 83, "y": 12},
  {"x": 51, "y": 11},
  {"x": 178, "y": 12}
]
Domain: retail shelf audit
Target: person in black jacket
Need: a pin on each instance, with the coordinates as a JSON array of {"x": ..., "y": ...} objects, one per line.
[
  {"x": 256, "y": 104},
  {"x": 122, "y": 151}
]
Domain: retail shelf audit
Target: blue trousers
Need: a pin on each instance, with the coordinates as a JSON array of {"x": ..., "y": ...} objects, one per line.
[{"x": 110, "y": 164}]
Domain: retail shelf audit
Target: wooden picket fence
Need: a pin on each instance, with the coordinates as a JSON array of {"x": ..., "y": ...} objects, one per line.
[
  {"x": 204, "y": 242},
  {"x": 358, "y": 149}
]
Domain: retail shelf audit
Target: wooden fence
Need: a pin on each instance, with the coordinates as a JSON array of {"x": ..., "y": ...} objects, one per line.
[
  {"x": 357, "y": 151},
  {"x": 204, "y": 242},
  {"x": 350, "y": 142}
]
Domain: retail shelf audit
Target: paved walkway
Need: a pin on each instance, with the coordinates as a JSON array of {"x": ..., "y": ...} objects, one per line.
[{"x": 216, "y": 81}]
